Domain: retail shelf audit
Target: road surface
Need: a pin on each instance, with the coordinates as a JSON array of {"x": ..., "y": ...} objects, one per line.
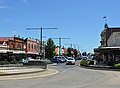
[{"x": 69, "y": 76}]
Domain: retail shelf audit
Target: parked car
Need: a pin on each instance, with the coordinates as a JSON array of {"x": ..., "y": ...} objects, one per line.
[
  {"x": 70, "y": 61},
  {"x": 26, "y": 60},
  {"x": 30, "y": 59},
  {"x": 54, "y": 60},
  {"x": 60, "y": 59},
  {"x": 23, "y": 61}
]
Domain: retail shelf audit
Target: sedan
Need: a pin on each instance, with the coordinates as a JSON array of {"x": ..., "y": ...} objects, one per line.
[
  {"x": 70, "y": 61},
  {"x": 60, "y": 59}
]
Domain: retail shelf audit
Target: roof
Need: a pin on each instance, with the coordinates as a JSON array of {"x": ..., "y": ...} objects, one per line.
[
  {"x": 6, "y": 38},
  {"x": 110, "y": 47}
]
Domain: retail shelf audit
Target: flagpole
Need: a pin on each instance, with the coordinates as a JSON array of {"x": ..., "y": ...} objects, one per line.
[{"x": 106, "y": 20}]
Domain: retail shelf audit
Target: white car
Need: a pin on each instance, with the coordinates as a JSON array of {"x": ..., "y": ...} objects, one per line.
[
  {"x": 23, "y": 61},
  {"x": 60, "y": 59},
  {"x": 70, "y": 61}
]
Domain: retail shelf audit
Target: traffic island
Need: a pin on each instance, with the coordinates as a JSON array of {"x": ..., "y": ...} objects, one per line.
[
  {"x": 101, "y": 67},
  {"x": 90, "y": 65},
  {"x": 48, "y": 72},
  {"x": 25, "y": 68},
  {"x": 20, "y": 70}
]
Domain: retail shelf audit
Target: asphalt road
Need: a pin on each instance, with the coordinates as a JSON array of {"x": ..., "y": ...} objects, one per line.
[{"x": 69, "y": 76}]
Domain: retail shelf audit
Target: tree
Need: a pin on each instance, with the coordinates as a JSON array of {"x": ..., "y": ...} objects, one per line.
[
  {"x": 49, "y": 48},
  {"x": 69, "y": 50},
  {"x": 84, "y": 53},
  {"x": 75, "y": 52}
]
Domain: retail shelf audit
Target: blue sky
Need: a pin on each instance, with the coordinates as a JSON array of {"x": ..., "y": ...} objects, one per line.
[{"x": 80, "y": 20}]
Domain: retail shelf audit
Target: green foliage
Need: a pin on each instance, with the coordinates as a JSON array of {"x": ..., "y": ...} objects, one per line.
[
  {"x": 85, "y": 62},
  {"x": 75, "y": 52},
  {"x": 84, "y": 53},
  {"x": 117, "y": 65},
  {"x": 43, "y": 64},
  {"x": 4, "y": 62},
  {"x": 49, "y": 48},
  {"x": 14, "y": 62},
  {"x": 69, "y": 52}
]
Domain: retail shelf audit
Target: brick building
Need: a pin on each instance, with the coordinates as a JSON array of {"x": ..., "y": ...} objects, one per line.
[
  {"x": 32, "y": 45},
  {"x": 11, "y": 46},
  {"x": 16, "y": 48}
]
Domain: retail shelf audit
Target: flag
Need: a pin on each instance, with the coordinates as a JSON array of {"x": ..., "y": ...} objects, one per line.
[{"x": 104, "y": 17}]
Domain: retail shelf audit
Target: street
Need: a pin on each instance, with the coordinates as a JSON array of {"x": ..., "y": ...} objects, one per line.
[{"x": 69, "y": 76}]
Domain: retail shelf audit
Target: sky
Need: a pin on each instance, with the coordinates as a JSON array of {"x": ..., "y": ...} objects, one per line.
[{"x": 80, "y": 20}]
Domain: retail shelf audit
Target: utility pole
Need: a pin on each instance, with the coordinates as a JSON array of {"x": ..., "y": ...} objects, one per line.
[
  {"x": 60, "y": 40},
  {"x": 41, "y": 29}
]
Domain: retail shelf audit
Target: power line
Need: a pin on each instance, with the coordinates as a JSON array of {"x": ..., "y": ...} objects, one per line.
[
  {"x": 40, "y": 36},
  {"x": 60, "y": 39}
]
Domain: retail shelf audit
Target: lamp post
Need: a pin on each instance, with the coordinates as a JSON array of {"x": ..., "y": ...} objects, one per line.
[{"x": 40, "y": 53}]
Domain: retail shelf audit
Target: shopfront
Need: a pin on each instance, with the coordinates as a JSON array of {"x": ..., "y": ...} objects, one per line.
[{"x": 107, "y": 55}]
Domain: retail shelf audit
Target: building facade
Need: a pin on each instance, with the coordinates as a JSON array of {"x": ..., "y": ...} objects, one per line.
[
  {"x": 16, "y": 48},
  {"x": 11, "y": 46},
  {"x": 109, "y": 51},
  {"x": 32, "y": 45},
  {"x": 114, "y": 40},
  {"x": 63, "y": 51}
]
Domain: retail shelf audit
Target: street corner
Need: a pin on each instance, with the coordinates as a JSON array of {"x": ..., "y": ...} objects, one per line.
[{"x": 47, "y": 72}]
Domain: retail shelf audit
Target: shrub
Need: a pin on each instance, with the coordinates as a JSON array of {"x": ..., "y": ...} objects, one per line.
[
  {"x": 117, "y": 65},
  {"x": 14, "y": 62},
  {"x": 85, "y": 62},
  {"x": 4, "y": 62}
]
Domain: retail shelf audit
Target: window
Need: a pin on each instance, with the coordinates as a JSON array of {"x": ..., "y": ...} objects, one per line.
[
  {"x": 12, "y": 45},
  {"x": 28, "y": 46},
  {"x": 31, "y": 46},
  {"x": 34, "y": 46},
  {"x": 18, "y": 46}
]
